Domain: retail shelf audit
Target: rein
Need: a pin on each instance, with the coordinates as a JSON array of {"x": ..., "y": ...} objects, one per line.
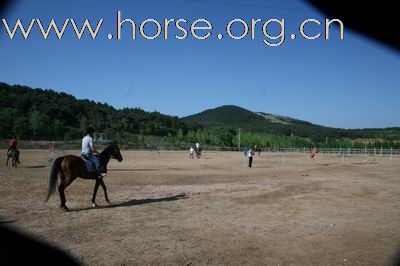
[{"x": 106, "y": 155}]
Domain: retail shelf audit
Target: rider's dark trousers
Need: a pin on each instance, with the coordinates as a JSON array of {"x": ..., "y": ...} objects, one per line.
[{"x": 250, "y": 162}]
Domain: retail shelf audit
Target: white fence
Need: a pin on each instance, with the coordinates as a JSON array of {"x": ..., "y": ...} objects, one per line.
[{"x": 337, "y": 151}]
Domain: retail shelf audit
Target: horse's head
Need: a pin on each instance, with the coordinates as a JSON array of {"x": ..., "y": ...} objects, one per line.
[{"x": 115, "y": 152}]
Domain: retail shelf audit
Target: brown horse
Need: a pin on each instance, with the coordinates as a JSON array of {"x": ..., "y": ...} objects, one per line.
[
  {"x": 14, "y": 155},
  {"x": 198, "y": 152},
  {"x": 69, "y": 167}
]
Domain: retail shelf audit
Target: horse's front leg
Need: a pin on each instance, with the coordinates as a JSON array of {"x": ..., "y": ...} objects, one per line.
[
  {"x": 96, "y": 187},
  {"x": 8, "y": 158},
  {"x": 105, "y": 190}
]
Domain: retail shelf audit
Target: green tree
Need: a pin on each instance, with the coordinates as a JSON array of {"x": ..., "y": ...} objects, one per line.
[
  {"x": 7, "y": 116},
  {"x": 58, "y": 128},
  {"x": 83, "y": 123},
  {"x": 39, "y": 123},
  {"x": 21, "y": 127}
]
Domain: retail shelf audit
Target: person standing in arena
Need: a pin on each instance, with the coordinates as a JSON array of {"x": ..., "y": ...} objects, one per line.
[
  {"x": 313, "y": 153},
  {"x": 191, "y": 153},
  {"x": 52, "y": 154},
  {"x": 246, "y": 149},
  {"x": 251, "y": 154}
]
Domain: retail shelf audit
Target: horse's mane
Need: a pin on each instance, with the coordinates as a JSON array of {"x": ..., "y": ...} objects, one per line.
[{"x": 108, "y": 149}]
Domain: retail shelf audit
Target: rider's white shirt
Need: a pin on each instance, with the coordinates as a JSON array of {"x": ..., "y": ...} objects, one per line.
[
  {"x": 197, "y": 145},
  {"x": 191, "y": 150},
  {"x": 87, "y": 145},
  {"x": 250, "y": 153}
]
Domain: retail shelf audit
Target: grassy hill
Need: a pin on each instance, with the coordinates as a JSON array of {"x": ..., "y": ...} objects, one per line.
[
  {"x": 236, "y": 117},
  {"x": 37, "y": 114}
]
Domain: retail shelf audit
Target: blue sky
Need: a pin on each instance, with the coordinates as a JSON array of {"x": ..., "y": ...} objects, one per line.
[{"x": 351, "y": 83}]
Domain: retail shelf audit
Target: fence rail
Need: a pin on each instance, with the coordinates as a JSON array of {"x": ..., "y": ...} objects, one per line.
[
  {"x": 339, "y": 151},
  {"x": 75, "y": 145}
]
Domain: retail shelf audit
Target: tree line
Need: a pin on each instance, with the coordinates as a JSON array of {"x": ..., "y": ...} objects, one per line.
[
  {"x": 48, "y": 115},
  {"x": 37, "y": 114}
]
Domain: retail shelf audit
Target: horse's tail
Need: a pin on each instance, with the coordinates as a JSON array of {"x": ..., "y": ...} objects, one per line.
[{"x": 53, "y": 177}]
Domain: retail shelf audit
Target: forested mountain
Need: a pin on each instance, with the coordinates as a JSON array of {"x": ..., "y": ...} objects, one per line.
[
  {"x": 46, "y": 114},
  {"x": 37, "y": 114},
  {"x": 237, "y": 117}
]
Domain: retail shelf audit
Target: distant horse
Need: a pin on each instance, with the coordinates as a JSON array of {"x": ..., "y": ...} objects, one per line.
[
  {"x": 14, "y": 155},
  {"x": 198, "y": 152},
  {"x": 69, "y": 167}
]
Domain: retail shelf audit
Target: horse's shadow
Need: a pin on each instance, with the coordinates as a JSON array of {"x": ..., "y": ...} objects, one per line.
[
  {"x": 133, "y": 202},
  {"x": 7, "y": 221}
]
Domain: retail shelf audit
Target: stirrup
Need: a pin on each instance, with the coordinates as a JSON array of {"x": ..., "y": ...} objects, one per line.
[{"x": 101, "y": 175}]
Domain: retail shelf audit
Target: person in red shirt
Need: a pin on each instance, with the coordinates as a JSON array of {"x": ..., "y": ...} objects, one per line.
[
  {"x": 313, "y": 153},
  {"x": 51, "y": 148},
  {"x": 12, "y": 143}
]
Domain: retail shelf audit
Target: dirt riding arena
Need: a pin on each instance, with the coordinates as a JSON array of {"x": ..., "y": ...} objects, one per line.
[{"x": 170, "y": 210}]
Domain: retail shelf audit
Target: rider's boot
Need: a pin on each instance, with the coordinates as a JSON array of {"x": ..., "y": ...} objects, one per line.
[
  {"x": 104, "y": 169},
  {"x": 100, "y": 173}
]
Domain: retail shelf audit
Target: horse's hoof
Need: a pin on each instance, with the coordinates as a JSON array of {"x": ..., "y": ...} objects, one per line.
[
  {"x": 108, "y": 201},
  {"x": 94, "y": 205},
  {"x": 64, "y": 208}
]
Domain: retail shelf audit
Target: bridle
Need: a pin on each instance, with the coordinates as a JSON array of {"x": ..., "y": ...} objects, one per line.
[{"x": 109, "y": 153}]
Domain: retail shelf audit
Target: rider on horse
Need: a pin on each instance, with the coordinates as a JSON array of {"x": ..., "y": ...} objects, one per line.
[
  {"x": 198, "y": 150},
  {"x": 12, "y": 143},
  {"x": 89, "y": 152}
]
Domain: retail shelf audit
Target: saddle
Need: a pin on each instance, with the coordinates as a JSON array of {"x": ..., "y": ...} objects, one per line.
[
  {"x": 89, "y": 165},
  {"x": 10, "y": 152}
]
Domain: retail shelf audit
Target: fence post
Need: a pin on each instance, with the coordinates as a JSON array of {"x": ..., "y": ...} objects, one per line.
[
  {"x": 391, "y": 152},
  {"x": 155, "y": 160},
  {"x": 158, "y": 160},
  {"x": 283, "y": 157},
  {"x": 204, "y": 159}
]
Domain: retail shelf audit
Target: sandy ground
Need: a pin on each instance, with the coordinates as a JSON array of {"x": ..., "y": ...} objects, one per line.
[{"x": 281, "y": 212}]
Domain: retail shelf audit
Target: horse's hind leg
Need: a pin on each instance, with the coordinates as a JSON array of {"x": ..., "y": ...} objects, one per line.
[
  {"x": 96, "y": 187},
  {"x": 65, "y": 181},
  {"x": 8, "y": 158},
  {"x": 105, "y": 190},
  {"x": 61, "y": 189}
]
